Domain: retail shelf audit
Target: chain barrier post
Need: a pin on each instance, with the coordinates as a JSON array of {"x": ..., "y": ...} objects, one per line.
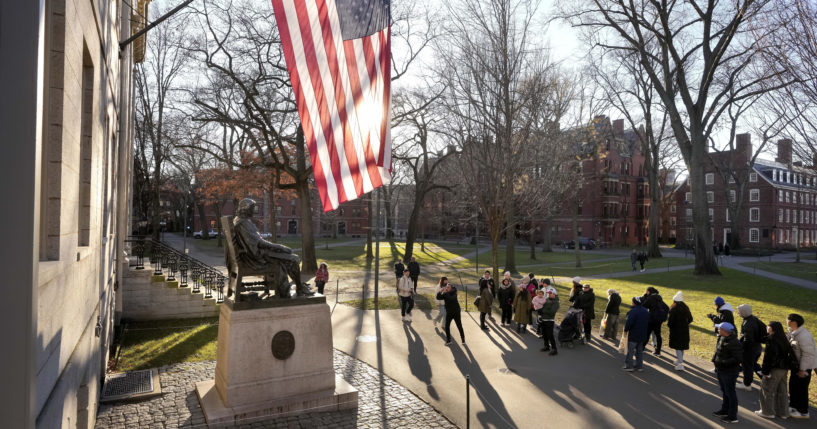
[{"x": 467, "y": 400}]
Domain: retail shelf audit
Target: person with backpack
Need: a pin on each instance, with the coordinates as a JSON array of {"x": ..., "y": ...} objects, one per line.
[
  {"x": 778, "y": 359},
  {"x": 659, "y": 311},
  {"x": 752, "y": 336}
]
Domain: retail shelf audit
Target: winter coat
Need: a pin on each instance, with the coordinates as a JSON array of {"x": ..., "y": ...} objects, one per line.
[
  {"x": 322, "y": 275},
  {"x": 803, "y": 344},
  {"x": 678, "y": 323},
  {"x": 531, "y": 288},
  {"x": 636, "y": 324},
  {"x": 398, "y": 269},
  {"x": 486, "y": 299},
  {"x": 728, "y": 353},
  {"x": 585, "y": 301},
  {"x": 505, "y": 296},
  {"x": 538, "y": 302},
  {"x": 633, "y": 257},
  {"x": 642, "y": 257},
  {"x": 437, "y": 290},
  {"x": 452, "y": 305},
  {"x": 652, "y": 302},
  {"x": 483, "y": 282},
  {"x": 521, "y": 307},
  {"x": 775, "y": 357},
  {"x": 613, "y": 304},
  {"x": 414, "y": 269},
  {"x": 405, "y": 287},
  {"x": 725, "y": 314},
  {"x": 752, "y": 334},
  {"x": 550, "y": 308}
]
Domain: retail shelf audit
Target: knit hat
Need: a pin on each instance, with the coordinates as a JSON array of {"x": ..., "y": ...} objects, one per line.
[
  {"x": 744, "y": 310},
  {"x": 551, "y": 289},
  {"x": 577, "y": 279},
  {"x": 637, "y": 300},
  {"x": 719, "y": 301},
  {"x": 679, "y": 297},
  {"x": 726, "y": 326}
]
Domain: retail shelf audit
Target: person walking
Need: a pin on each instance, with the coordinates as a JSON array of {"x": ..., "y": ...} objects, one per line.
[
  {"x": 549, "y": 310},
  {"x": 727, "y": 358},
  {"x": 777, "y": 360},
  {"x": 633, "y": 259},
  {"x": 611, "y": 313},
  {"x": 487, "y": 281},
  {"x": 521, "y": 309},
  {"x": 642, "y": 259},
  {"x": 802, "y": 342},
  {"x": 635, "y": 329},
  {"x": 398, "y": 271},
  {"x": 752, "y": 337},
  {"x": 505, "y": 296},
  {"x": 321, "y": 277},
  {"x": 405, "y": 289},
  {"x": 586, "y": 301},
  {"x": 486, "y": 300},
  {"x": 440, "y": 303},
  {"x": 658, "y": 310},
  {"x": 448, "y": 294},
  {"x": 414, "y": 272},
  {"x": 678, "y": 322}
]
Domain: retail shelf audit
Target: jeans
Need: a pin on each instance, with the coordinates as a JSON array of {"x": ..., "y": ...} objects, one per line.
[
  {"x": 679, "y": 357},
  {"x": 773, "y": 395},
  {"x": 727, "y": 380},
  {"x": 798, "y": 391},
  {"x": 406, "y": 305},
  {"x": 440, "y": 313},
  {"x": 633, "y": 262},
  {"x": 547, "y": 334},
  {"x": 750, "y": 356},
  {"x": 655, "y": 328},
  {"x": 456, "y": 318},
  {"x": 482, "y": 320},
  {"x": 320, "y": 286},
  {"x": 634, "y": 351}
]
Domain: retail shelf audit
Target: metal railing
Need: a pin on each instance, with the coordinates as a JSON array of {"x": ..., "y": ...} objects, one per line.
[{"x": 191, "y": 272}]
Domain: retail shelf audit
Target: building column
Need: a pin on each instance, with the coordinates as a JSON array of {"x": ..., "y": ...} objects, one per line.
[{"x": 21, "y": 49}]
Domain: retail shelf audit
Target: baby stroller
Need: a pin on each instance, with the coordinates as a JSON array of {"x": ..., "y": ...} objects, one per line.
[{"x": 571, "y": 327}]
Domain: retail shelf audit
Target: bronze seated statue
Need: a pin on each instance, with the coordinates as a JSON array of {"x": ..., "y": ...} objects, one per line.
[{"x": 249, "y": 254}]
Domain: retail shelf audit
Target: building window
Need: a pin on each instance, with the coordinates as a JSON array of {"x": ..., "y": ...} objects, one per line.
[
  {"x": 710, "y": 197},
  {"x": 689, "y": 214},
  {"x": 86, "y": 149},
  {"x": 731, "y": 179},
  {"x": 732, "y": 196},
  {"x": 753, "y": 177},
  {"x": 788, "y": 215},
  {"x": 754, "y": 235},
  {"x": 710, "y": 178},
  {"x": 688, "y": 196},
  {"x": 754, "y": 195},
  {"x": 711, "y": 215},
  {"x": 672, "y": 208},
  {"x": 727, "y": 215},
  {"x": 780, "y": 195},
  {"x": 672, "y": 221},
  {"x": 780, "y": 215},
  {"x": 788, "y": 197},
  {"x": 754, "y": 214}
]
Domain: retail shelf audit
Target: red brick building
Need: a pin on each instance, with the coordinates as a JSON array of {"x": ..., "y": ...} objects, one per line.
[
  {"x": 614, "y": 203},
  {"x": 780, "y": 201}
]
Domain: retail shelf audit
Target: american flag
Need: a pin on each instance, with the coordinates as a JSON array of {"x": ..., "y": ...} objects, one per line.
[{"x": 338, "y": 53}]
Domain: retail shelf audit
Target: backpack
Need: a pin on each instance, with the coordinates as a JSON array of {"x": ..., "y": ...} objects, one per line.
[{"x": 661, "y": 312}]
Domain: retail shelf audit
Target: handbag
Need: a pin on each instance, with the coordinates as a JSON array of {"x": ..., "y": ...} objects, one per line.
[
  {"x": 476, "y": 301},
  {"x": 622, "y": 345},
  {"x": 603, "y": 326}
]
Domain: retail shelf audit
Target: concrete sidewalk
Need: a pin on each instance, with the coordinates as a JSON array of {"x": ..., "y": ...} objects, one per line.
[{"x": 516, "y": 385}]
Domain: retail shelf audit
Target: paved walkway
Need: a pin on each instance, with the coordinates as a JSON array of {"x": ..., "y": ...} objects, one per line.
[{"x": 381, "y": 403}]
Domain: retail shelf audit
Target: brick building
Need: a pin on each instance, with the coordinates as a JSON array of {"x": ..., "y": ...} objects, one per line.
[
  {"x": 780, "y": 200},
  {"x": 613, "y": 204}
]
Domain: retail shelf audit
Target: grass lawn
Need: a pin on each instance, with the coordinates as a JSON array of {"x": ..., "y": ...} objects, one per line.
[
  {"x": 523, "y": 257},
  {"x": 163, "y": 342},
  {"x": 589, "y": 268},
  {"x": 803, "y": 270},
  {"x": 354, "y": 257}
]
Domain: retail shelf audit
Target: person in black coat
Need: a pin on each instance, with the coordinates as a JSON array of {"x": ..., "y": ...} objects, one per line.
[
  {"x": 398, "y": 270},
  {"x": 487, "y": 281},
  {"x": 727, "y": 358},
  {"x": 414, "y": 272},
  {"x": 505, "y": 295},
  {"x": 612, "y": 313},
  {"x": 777, "y": 361},
  {"x": 653, "y": 302},
  {"x": 678, "y": 322},
  {"x": 448, "y": 295},
  {"x": 725, "y": 313},
  {"x": 586, "y": 301},
  {"x": 752, "y": 336}
]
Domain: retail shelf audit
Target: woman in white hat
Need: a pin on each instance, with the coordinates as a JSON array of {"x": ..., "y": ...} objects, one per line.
[{"x": 678, "y": 322}]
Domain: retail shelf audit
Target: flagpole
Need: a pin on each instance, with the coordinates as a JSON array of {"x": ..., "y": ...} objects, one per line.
[{"x": 377, "y": 249}]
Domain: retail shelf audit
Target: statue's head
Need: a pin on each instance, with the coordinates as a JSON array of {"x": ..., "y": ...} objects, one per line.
[{"x": 246, "y": 207}]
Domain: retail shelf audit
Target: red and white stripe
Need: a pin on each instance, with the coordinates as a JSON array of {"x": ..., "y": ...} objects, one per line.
[{"x": 342, "y": 89}]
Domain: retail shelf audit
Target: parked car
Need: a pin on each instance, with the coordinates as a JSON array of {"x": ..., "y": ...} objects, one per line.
[
  {"x": 266, "y": 235},
  {"x": 210, "y": 234},
  {"x": 584, "y": 244}
]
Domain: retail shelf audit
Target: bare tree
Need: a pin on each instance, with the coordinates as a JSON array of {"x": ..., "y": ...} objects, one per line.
[{"x": 696, "y": 54}]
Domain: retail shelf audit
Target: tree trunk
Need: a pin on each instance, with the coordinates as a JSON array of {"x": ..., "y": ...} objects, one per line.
[
  {"x": 204, "y": 226},
  {"x": 387, "y": 202},
  {"x": 218, "y": 224},
  {"x": 532, "y": 243},
  {"x": 548, "y": 240},
  {"x": 653, "y": 251},
  {"x": 705, "y": 263},
  {"x": 273, "y": 218},
  {"x": 309, "y": 264},
  {"x": 495, "y": 255},
  {"x": 576, "y": 245},
  {"x": 510, "y": 241},
  {"x": 369, "y": 252},
  {"x": 411, "y": 234}
]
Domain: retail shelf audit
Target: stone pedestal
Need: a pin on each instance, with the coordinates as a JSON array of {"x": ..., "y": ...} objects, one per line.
[{"x": 274, "y": 359}]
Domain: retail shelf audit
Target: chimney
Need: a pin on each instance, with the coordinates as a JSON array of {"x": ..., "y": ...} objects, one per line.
[
  {"x": 744, "y": 146},
  {"x": 618, "y": 127},
  {"x": 784, "y": 152}
]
